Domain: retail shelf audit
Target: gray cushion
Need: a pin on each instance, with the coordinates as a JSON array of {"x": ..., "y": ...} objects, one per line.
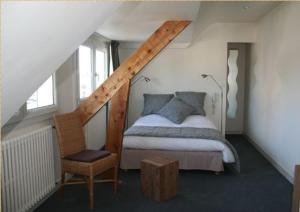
[
  {"x": 88, "y": 155},
  {"x": 195, "y": 99},
  {"x": 154, "y": 102},
  {"x": 176, "y": 110}
]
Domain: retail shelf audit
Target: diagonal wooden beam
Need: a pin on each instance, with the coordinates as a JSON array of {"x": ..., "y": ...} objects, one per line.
[
  {"x": 117, "y": 119},
  {"x": 129, "y": 68}
]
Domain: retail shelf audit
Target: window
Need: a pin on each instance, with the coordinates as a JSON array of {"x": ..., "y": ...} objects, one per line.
[
  {"x": 43, "y": 97},
  {"x": 100, "y": 71},
  {"x": 93, "y": 71},
  {"x": 85, "y": 71},
  {"x": 111, "y": 68}
]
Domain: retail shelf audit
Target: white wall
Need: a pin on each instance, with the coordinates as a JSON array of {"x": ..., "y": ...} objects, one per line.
[
  {"x": 180, "y": 69},
  {"x": 67, "y": 85},
  {"x": 274, "y": 97}
]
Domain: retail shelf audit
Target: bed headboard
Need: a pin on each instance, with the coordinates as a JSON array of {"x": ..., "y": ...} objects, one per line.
[{"x": 212, "y": 106}]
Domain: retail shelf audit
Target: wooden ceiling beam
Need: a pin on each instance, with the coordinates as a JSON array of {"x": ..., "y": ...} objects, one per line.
[{"x": 129, "y": 68}]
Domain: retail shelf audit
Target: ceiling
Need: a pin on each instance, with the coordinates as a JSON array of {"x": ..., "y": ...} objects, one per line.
[
  {"x": 135, "y": 21},
  {"x": 236, "y": 11}
]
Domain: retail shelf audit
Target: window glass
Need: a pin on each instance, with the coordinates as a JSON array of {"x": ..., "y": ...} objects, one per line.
[
  {"x": 85, "y": 71},
  {"x": 93, "y": 70},
  {"x": 100, "y": 72},
  {"x": 43, "y": 97},
  {"x": 111, "y": 68}
]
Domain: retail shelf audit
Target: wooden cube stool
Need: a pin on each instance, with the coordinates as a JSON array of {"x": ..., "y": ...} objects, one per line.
[{"x": 159, "y": 178}]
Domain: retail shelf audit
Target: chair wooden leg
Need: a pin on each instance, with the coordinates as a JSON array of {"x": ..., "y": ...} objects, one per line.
[
  {"x": 91, "y": 191},
  {"x": 116, "y": 178},
  {"x": 86, "y": 179},
  {"x": 62, "y": 185}
]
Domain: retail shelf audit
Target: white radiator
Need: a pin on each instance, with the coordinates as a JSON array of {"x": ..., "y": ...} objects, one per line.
[{"x": 27, "y": 170}]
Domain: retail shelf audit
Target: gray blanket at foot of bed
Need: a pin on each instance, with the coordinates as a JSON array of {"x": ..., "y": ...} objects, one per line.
[{"x": 185, "y": 132}]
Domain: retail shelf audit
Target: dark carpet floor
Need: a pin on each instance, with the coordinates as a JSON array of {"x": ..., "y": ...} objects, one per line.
[{"x": 259, "y": 188}]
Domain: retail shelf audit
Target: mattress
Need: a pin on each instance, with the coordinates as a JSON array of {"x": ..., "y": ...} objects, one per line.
[{"x": 177, "y": 144}]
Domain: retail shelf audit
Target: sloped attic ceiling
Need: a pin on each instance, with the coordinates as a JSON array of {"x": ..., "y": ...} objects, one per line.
[{"x": 37, "y": 37}]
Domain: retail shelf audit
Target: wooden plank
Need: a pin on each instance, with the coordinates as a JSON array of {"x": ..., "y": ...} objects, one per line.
[
  {"x": 296, "y": 195},
  {"x": 129, "y": 68},
  {"x": 159, "y": 178},
  {"x": 117, "y": 118},
  {"x": 116, "y": 125}
]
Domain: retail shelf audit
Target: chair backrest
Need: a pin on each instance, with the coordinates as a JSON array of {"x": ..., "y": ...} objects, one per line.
[{"x": 70, "y": 133}]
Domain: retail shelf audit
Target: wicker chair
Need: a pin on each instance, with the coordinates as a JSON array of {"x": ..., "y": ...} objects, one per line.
[{"x": 71, "y": 141}]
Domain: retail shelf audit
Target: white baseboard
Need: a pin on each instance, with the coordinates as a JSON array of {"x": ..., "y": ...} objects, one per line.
[
  {"x": 271, "y": 160},
  {"x": 234, "y": 132}
]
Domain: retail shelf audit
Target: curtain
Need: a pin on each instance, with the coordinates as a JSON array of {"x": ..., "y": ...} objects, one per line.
[
  {"x": 113, "y": 57},
  {"x": 114, "y": 48},
  {"x": 115, "y": 60}
]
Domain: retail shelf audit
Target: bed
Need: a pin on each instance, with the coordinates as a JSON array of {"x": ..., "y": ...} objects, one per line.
[{"x": 195, "y": 143}]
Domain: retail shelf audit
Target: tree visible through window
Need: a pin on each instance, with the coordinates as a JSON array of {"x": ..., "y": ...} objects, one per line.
[{"x": 44, "y": 96}]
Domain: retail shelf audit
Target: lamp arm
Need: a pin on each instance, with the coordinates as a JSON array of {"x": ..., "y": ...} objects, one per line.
[
  {"x": 217, "y": 83},
  {"x": 138, "y": 79}
]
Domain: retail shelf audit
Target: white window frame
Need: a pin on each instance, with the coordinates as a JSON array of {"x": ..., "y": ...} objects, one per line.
[
  {"x": 94, "y": 52},
  {"x": 43, "y": 112},
  {"x": 94, "y": 43},
  {"x": 30, "y": 113}
]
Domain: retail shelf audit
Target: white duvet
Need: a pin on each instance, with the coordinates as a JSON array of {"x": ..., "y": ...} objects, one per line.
[{"x": 177, "y": 144}]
